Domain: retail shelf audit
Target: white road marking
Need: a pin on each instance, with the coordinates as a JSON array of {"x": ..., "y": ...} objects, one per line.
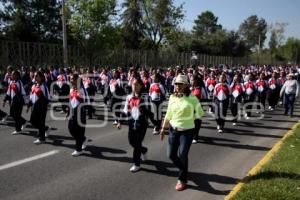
[{"x": 26, "y": 160}]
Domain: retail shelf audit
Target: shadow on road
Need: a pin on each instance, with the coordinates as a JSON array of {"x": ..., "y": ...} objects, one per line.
[{"x": 201, "y": 180}]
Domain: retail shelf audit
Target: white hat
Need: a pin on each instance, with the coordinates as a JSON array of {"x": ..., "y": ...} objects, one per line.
[{"x": 181, "y": 79}]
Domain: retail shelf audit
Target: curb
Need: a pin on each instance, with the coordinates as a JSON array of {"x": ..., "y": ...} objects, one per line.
[{"x": 254, "y": 171}]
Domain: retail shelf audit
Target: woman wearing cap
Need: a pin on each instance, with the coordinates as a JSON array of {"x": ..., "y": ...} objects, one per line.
[
  {"x": 289, "y": 91},
  {"x": 183, "y": 110}
]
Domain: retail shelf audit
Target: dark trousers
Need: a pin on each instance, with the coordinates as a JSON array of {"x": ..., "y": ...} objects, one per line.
[
  {"x": 157, "y": 114},
  {"x": 64, "y": 104},
  {"x": 235, "y": 111},
  {"x": 198, "y": 123},
  {"x": 115, "y": 107},
  {"x": 135, "y": 138},
  {"x": 90, "y": 108},
  {"x": 2, "y": 114},
  {"x": 77, "y": 131},
  {"x": 179, "y": 144},
  {"x": 289, "y": 100},
  {"x": 262, "y": 99},
  {"x": 221, "y": 111},
  {"x": 273, "y": 98},
  {"x": 16, "y": 113},
  {"x": 249, "y": 104},
  {"x": 38, "y": 120}
]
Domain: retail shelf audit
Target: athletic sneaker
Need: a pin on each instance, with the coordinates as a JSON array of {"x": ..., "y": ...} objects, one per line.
[
  {"x": 220, "y": 131},
  {"x": 76, "y": 153},
  {"x": 155, "y": 131},
  {"x": 135, "y": 168},
  {"x": 144, "y": 157},
  {"x": 115, "y": 122},
  {"x": 194, "y": 142},
  {"x": 16, "y": 132},
  {"x": 24, "y": 126},
  {"x": 84, "y": 145},
  {"x": 38, "y": 141},
  {"x": 234, "y": 124},
  {"x": 180, "y": 186},
  {"x": 3, "y": 121}
]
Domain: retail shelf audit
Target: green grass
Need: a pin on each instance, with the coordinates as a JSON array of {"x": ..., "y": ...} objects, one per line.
[{"x": 279, "y": 179}]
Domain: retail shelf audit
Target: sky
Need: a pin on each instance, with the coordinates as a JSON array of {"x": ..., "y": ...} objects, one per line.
[{"x": 232, "y": 13}]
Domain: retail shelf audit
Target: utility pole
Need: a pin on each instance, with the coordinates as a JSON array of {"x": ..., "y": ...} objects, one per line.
[
  {"x": 65, "y": 44},
  {"x": 296, "y": 55}
]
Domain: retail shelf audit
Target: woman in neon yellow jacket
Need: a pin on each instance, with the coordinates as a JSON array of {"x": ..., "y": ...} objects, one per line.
[{"x": 183, "y": 109}]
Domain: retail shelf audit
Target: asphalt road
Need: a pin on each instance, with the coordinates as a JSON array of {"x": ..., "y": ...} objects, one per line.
[{"x": 216, "y": 163}]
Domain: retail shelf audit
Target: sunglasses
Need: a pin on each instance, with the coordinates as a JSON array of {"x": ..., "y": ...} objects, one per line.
[{"x": 178, "y": 83}]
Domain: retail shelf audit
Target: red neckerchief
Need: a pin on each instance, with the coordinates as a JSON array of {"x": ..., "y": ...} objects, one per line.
[
  {"x": 37, "y": 90},
  {"x": 76, "y": 94}
]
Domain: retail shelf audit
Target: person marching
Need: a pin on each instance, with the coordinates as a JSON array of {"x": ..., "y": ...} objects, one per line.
[
  {"x": 183, "y": 109},
  {"x": 39, "y": 99},
  {"x": 90, "y": 87},
  {"x": 238, "y": 90},
  {"x": 210, "y": 84},
  {"x": 146, "y": 80},
  {"x": 221, "y": 100},
  {"x": 8, "y": 77},
  {"x": 262, "y": 86},
  {"x": 250, "y": 90},
  {"x": 62, "y": 88},
  {"x": 282, "y": 80},
  {"x": 289, "y": 92},
  {"x": 157, "y": 95},
  {"x": 274, "y": 89},
  {"x": 116, "y": 92},
  {"x": 77, "y": 114},
  {"x": 103, "y": 85},
  {"x": 15, "y": 95},
  {"x": 5, "y": 84},
  {"x": 137, "y": 110},
  {"x": 198, "y": 89}
]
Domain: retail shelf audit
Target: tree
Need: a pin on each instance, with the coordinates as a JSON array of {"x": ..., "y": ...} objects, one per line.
[
  {"x": 132, "y": 24},
  {"x": 253, "y": 31},
  {"x": 91, "y": 25},
  {"x": 291, "y": 50},
  {"x": 160, "y": 18},
  {"x": 31, "y": 20},
  {"x": 277, "y": 37},
  {"x": 206, "y": 24}
]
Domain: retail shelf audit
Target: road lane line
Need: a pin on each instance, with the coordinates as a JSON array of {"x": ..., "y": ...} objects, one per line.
[{"x": 26, "y": 160}]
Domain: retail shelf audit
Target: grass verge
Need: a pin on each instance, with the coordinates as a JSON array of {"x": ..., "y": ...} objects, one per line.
[{"x": 279, "y": 179}]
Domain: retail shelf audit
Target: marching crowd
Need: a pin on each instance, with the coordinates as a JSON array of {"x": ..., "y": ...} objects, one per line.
[{"x": 136, "y": 96}]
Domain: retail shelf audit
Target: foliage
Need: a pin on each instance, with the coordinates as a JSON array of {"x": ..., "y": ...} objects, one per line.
[
  {"x": 253, "y": 30},
  {"x": 31, "y": 20}
]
